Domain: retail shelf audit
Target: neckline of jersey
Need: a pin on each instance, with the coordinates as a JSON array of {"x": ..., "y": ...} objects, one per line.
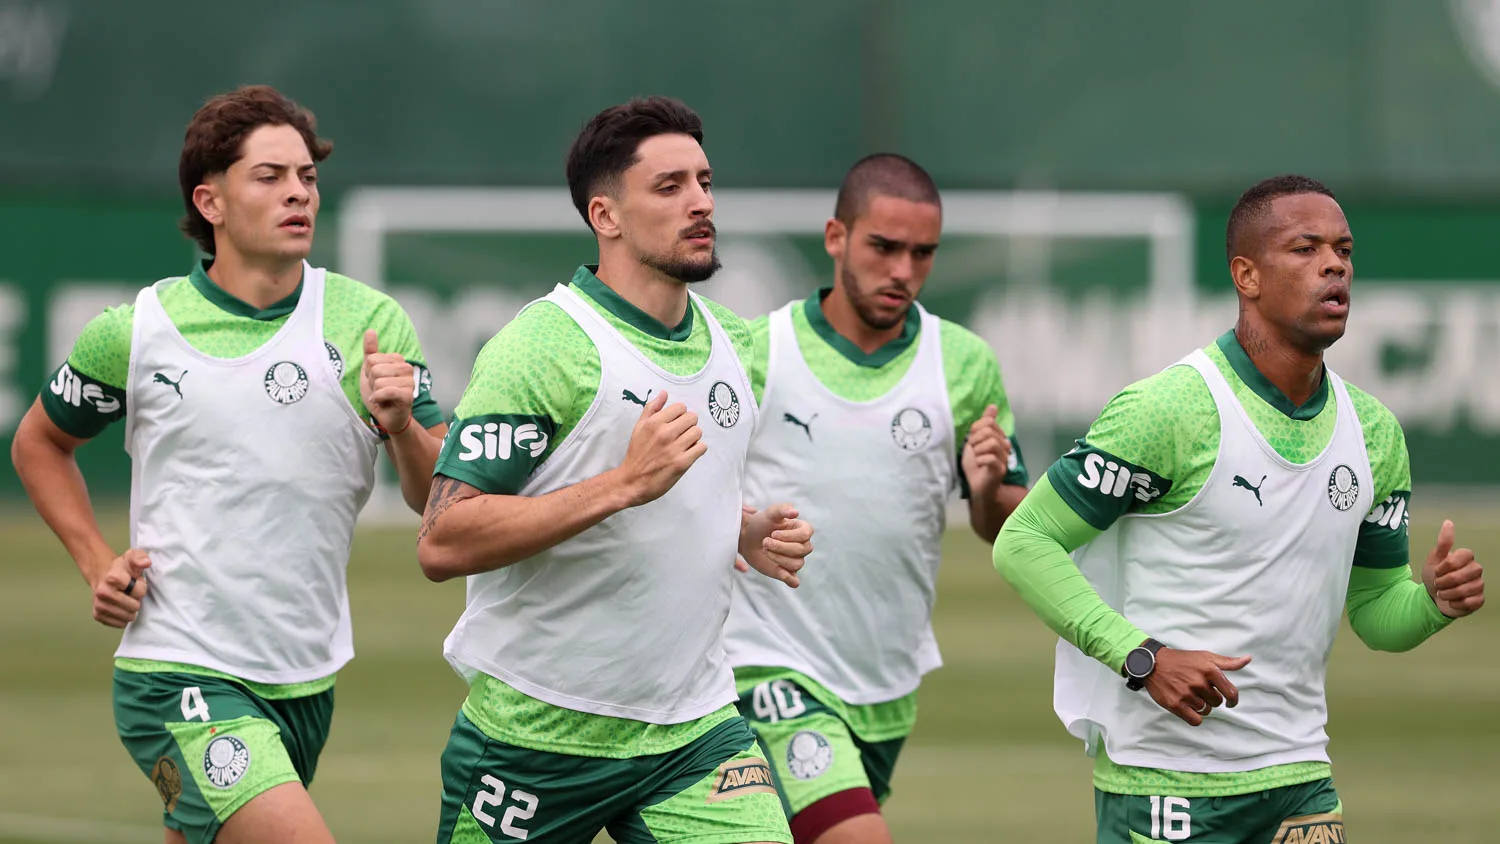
[
  {"x": 225, "y": 301},
  {"x": 590, "y": 285},
  {"x": 1239, "y": 361},
  {"x": 812, "y": 308}
]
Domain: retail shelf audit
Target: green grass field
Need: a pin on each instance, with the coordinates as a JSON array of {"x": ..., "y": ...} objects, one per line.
[{"x": 1416, "y": 737}]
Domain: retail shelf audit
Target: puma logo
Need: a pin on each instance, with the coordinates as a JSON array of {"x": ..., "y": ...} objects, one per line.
[
  {"x": 1241, "y": 482},
  {"x": 805, "y": 426},
  {"x": 175, "y": 385},
  {"x": 632, "y": 397}
]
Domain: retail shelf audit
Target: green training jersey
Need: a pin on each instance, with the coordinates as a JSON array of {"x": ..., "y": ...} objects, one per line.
[
  {"x": 1164, "y": 431},
  {"x": 87, "y": 392},
  {"x": 543, "y": 370}
]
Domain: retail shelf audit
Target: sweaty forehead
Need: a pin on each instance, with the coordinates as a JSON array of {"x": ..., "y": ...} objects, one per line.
[
  {"x": 274, "y": 145},
  {"x": 1306, "y": 213}
]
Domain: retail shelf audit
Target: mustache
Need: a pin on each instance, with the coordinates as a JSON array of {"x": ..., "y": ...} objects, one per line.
[{"x": 699, "y": 229}]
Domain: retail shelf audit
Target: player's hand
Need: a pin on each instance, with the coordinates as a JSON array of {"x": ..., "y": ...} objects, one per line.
[
  {"x": 775, "y": 542},
  {"x": 118, "y": 593},
  {"x": 665, "y": 442},
  {"x": 1190, "y": 684},
  {"x": 986, "y": 454},
  {"x": 1453, "y": 578},
  {"x": 387, "y": 384}
]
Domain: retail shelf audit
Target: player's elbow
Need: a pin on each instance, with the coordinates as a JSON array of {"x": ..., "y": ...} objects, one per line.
[{"x": 439, "y": 562}]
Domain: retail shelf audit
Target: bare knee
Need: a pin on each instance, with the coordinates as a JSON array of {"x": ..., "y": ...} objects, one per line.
[{"x": 283, "y": 814}]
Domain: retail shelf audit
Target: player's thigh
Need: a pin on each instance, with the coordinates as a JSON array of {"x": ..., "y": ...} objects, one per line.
[
  {"x": 716, "y": 790},
  {"x": 206, "y": 744},
  {"x": 1291, "y": 813},
  {"x": 284, "y": 814},
  {"x": 859, "y": 829},
  {"x": 497, "y": 793},
  {"x": 813, "y": 757}
]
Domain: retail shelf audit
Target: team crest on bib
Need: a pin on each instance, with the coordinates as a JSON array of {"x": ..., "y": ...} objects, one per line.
[
  {"x": 723, "y": 404},
  {"x": 910, "y": 429},
  {"x": 286, "y": 382},
  {"x": 225, "y": 761},
  {"x": 808, "y": 754},
  {"x": 336, "y": 359},
  {"x": 1343, "y": 488}
]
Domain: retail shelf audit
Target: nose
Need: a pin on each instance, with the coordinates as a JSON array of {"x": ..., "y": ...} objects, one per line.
[
  {"x": 299, "y": 194},
  {"x": 901, "y": 266},
  {"x": 701, "y": 202},
  {"x": 1334, "y": 264}
]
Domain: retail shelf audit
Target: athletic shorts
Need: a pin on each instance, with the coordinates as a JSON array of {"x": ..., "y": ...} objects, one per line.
[
  {"x": 209, "y": 745},
  {"x": 1296, "y": 814},
  {"x": 814, "y": 754},
  {"x": 715, "y": 790}
]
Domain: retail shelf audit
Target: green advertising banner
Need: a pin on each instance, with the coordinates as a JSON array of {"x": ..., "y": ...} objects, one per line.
[{"x": 1078, "y": 293}]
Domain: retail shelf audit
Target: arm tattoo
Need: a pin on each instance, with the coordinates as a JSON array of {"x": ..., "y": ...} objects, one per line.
[{"x": 446, "y": 492}]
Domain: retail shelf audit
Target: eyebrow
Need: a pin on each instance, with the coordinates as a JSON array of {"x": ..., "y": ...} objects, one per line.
[
  {"x": 675, "y": 175},
  {"x": 880, "y": 240},
  {"x": 280, "y": 167},
  {"x": 1317, "y": 238}
]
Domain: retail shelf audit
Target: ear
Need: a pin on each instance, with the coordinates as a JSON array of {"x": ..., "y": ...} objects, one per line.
[
  {"x": 208, "y": 198},
  {"x": 604, "y": 216},
  {"x": 835, "y": 238},
  {"x": 1246, "y": 277}
]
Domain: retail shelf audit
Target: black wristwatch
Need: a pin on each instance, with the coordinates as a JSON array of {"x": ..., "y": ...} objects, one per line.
[{"x": 1139, "y": 664}]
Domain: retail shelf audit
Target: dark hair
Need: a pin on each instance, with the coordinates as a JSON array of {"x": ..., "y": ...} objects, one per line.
[
  {"x": 606, "y": 146},
  {"x": 1255, "y": 204},
  {"x": 215, "y": 139},
  {"x": 886, "y": 174}
]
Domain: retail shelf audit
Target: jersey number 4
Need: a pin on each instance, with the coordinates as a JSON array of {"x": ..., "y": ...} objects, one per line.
[
  {"x": 193, "y": 704},
  {"x": 522, "y": 807},
  {"x": 776, "y": 700}
]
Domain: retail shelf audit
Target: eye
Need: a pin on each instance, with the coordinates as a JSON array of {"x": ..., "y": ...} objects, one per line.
[
  {"x": 667, "y": 190},
  {"x": 310, "y": 178},
  {"x": 1304, "y": 250},
  {"x": 707, "y": 185},
  {"x": 923, "y": 254},
  {"x": 267, "y": 179},
  {"x": 885, "y": 248},
  {"x": 1346, "y": 251}
]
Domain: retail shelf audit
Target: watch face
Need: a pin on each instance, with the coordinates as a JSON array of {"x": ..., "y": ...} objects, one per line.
[{"x": 1139, "y": 662}]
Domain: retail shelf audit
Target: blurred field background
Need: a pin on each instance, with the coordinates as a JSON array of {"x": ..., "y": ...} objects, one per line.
[{"x": 1415, "y": 737}]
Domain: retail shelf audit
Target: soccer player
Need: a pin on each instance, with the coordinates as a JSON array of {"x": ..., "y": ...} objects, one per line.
[
  {"x": 255, "y": 395},
  {"x": 871, "y": 410},
  {"x": 591, "y": 493},
  {"x": 1222, "y": 514}
]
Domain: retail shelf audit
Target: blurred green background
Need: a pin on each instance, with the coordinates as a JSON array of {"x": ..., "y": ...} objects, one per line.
[{"x": 1089, "y": 153}]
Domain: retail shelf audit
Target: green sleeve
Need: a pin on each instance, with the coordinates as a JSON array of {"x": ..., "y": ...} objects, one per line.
[
  {"x": 1032, "y": 553},
  {"x": 760, "y": 355},
  {"x": 530, "y": 387},
  {"x": 397, "y": 335},
  {"x": 1384, "y": 541},
  {"x": 740, "y": 335},
  {"x": 1389, "y": 611},
  {"x": 974, "y": 383},
  {"x": 1131, "y": 455},
  {"x": 87, "y": 392}
]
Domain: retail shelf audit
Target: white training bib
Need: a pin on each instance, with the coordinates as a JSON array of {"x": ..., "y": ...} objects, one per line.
[
  {"x": 246, "y": 478},
  {"x": 627, "y": 618},
  {"x": 873, "y": 478},
  {"x": 1257, "y": 564}
]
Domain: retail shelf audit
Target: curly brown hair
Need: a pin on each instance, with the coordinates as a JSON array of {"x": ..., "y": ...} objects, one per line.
[{"x": 215, "y": 140}]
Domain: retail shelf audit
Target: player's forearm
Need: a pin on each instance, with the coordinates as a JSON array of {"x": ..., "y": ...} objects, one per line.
[
  {"x": 987, "y": 513},
  {"x": 488, "y": 532},
  {"x": 1389, "y": 611},
  {"x": 1032, "y": 553},
  {"x": 414, "y": 452},
  {"x": 56, "y": 487}
]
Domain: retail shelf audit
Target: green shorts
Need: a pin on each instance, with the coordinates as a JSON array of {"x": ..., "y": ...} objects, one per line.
[
  {"x": 209, "y": 745},
  {"x": 715, "y": 790},
  {"x": 1295, "y": 814},
  {"x": 813, "y": 753}
]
